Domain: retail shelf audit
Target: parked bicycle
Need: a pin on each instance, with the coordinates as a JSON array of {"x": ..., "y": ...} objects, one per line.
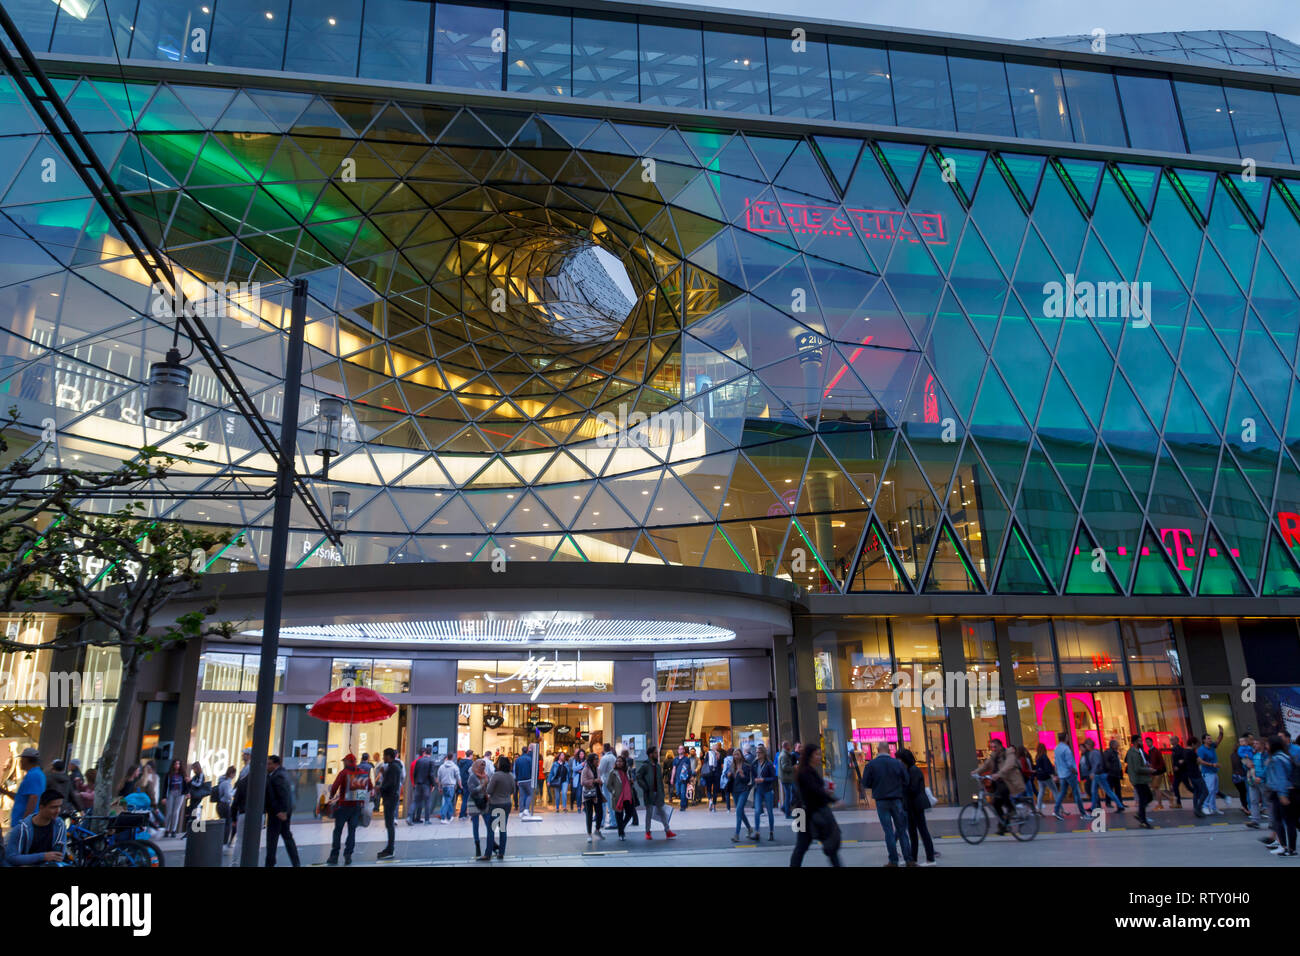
[
  {"x": 974, "y": 820},
  {"x": 120, "y": 840}
]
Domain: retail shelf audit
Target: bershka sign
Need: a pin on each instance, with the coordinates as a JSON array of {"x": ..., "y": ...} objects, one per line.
[{"x": 75, "y": 909}]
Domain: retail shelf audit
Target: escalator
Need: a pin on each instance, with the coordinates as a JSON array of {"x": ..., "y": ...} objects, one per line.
[{"x": 675, "y": 724}]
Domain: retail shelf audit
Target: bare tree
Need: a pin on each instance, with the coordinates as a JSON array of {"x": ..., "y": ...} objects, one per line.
[{"x": 48, "y": 538}]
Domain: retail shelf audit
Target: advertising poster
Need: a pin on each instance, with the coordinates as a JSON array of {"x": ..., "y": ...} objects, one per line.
[
  {"x": 439, "y": 745},
  {"x": 1278, "y": 709}
]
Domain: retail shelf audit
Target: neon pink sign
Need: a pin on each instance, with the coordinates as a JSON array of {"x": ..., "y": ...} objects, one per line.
[
  {"x": 1178, "y": 542},
  {"x": 871, "y": 735},
  {"x": 763, "y": 215}
]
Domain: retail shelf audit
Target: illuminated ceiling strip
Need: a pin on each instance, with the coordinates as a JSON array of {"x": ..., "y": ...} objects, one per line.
[{"x": 518, "y": 632}]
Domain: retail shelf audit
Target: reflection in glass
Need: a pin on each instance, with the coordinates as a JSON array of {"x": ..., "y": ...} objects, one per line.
[
  {"x": 800, "y": 82},
  {"x": 672, "y": 72},
  {"x": 540, "y": 55},
  {"x": 462, "y": 46},
  {"x": 1151, "y": 112},
  {"x": 395, "y": 41},
  {"x": 922, "y": 95},
  {"x": 249, "y": 34},
  {"x": 735, "y": 68},
  {"x": 1038, "y": 101},
  {"x": 323, "y": 37},
  {"x": 980, "y": 99},
  {"x": 860, "y": 84},
  {"x": 1094, "y": 107},
  {"x": 605, "y": 63}
]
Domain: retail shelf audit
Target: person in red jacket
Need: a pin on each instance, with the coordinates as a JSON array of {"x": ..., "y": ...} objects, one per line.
[{"x": 349, "y": 794}]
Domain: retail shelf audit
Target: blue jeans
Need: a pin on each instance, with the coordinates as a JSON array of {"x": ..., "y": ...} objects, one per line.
[
  {"x": 420, "y": 802},
  {"x": 1070, "y": 783},
  {"x": 1211, "y": 780},
  {"x": 525, "y": 796},
  {"x": 741, "y": 797},
  {"x": 893, "y": 820},
  {"x": 681, "y": 793},
  {"x": 448, "y": 802},
  {"x": 1101, "y": 785},
  {"x": 497, "y": 842},
  {"x": 787, "y": 798},
  {"x": 464, "y": 799},
  {"x": 764, "y": 801}
]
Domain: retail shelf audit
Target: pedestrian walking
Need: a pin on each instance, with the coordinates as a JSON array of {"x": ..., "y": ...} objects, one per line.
[
  {"x": 1241, "y": 758},
  {"x": 350, "y": 798},
  {"x": 1283, "y": 775},
  {"x": 1112, "y": 763},
  {"x": 886, "y": 776},
  {"x": 618, "y": 785},
  {"x": 1207, "y": 760},
  {"x": 765, "y": 783},
  {"x": 1067, "y": 775},
  {"x": 449, "y": 783},
  {"x": 649, "y": 775},
  {"x": 916, "y": 802},
  {"x": 1159, "y": 775},
  {"x": 422, "y": 773},
  {"x": 1092, "y": 767},
  {"x": 1043, "y": 774},
  {"x": 500, "y": 789},
  {"x": 476, "y": 794},
  {"x": 603, "y": 767},
  {"x": 682, "y": 776},
  {"x": 1139, "y": 775},
  {"x": 225, "y": 800},
  {"x": 592, "y": 798},
  {"x": 786, "y": 765},
  {"x": 741, "y": 778},
  {"x": 559, "y": 781},
  {"x": 523, "y": 771},
  {"x": 279, "y": 812},
  {"x": 815, "y": 799},
  {"x": 466, "y": 766}
]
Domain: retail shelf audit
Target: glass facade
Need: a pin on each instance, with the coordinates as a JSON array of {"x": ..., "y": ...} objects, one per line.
[{"x": 526, "y": 48}]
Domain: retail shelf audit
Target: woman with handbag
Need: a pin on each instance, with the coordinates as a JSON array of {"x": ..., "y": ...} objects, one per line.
[
  {"x": 765, "y": 780},
  {"x": 815, "y": 797},
  {"x": 593, "y": 803},
  {"x": 916, "y": 801},
  {"x": 1044, "y": 774},
  {"x": 478, "y": 777},
  {"x": 619, "y": 787},
  {"x": 176, "y": 786}
]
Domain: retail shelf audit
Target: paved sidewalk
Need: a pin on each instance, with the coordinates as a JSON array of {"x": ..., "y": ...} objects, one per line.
[{"x": 562, "y": 836}]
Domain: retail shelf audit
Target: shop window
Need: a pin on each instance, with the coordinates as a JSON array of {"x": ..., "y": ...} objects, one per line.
[
  {"x": 1089, "y": 652},
  {"x": 1032, "y": 661},
  {"x": 979, "y": 641},
  {"x": 1162, "y": 715},
  {"x": 856, "y": 661},
  {"x": 391, "y": 676},
  {"x": 1150, "y": 652},
  {"x": 688, "y": 675},
  {"x": 395, "y": 41},
  {"x": 1272, "y": 650}
]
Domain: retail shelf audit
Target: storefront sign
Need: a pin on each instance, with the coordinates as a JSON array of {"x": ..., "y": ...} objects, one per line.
[
  {"x": 564, "y": 729},
  {"x": 493, "y": 721},
  {"x": 763, "y": 215},
  {"x": 537, "y": 673},
  {"x": 545, "y": 726}
]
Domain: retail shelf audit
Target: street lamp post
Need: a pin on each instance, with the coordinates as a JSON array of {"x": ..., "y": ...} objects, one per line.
[{"x": 255, "y": 796}]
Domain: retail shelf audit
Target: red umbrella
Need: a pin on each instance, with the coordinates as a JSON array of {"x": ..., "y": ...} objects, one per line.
[{"x": 353, "y": 705}]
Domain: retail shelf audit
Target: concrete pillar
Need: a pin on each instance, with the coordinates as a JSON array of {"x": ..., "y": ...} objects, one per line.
[
  {"x": 806, "y": 724},
  {"x": 781, "y": 650},
  {"x": 961, "y": 728}
]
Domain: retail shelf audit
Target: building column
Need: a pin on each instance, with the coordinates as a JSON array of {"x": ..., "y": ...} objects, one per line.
[
  {"x": 1243, "y": 712},
  {"x": 784, "y": 728},
  {"x": 55, "y": 737},
  {"x": 806, "y": 727},
  {"x": 186, "y": 706},
  {"x": 1007, "y": 675},
  {"x": 961, "y": 728}
]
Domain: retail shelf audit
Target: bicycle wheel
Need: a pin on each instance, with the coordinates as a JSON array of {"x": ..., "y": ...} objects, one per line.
[
  {"x": 973, "y": 823},
  {"x": 155, "y": 853},
  {"x": 143, "y": 852},
  {"x": 1024, "y": 827},
  {"x": 120, "y": 856}
]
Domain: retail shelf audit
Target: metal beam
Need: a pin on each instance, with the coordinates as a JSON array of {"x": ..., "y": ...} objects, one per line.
[{"x": 72, "y": 142}]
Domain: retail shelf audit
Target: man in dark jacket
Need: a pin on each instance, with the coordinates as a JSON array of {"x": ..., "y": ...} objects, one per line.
[
  {"x": 279, "y": 808},
  {"x": 650, "y": 778},
  {"x": 390, "y": 788},
  {"x": 887, "y": 778},
  {"x": 422, "y": 786},
  {"x": 465, "y": 764}
]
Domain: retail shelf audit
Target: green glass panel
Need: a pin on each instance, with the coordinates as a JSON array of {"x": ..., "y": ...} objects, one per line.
[
  {"x": 1086, "y": 363},
  {"x": 903, "y": 160},
  {"x": 1264, "y": 369},
  {"x": 1253, "y": 441},
  {"x": 949, "y": 570},
  {"x": 1089, "y": 571},
  {"x": 1206, "y": 368},
  {"x": 1046, "y": 512},
  {"x": 877, "y": 569},
  {"x": 1177, "y": 518},
  {"x": 1150, "y": 371},
  {"x": 906, "y": 510},
  {"x": 840, "y": 156},
  {"x": 1218, "y": 574},
  {"x": 1000, "y": 218},
  {"x": 1000, "y": 432},
  {"x": 1059, "y": 220},
  {"x": 953, "y": 352},
  {"x": 1233, "y": 236},
  {"x": 1020, "y": 353},
  {"x": 1035, "y": 270},
  {"x": 1020, "y": 573},
  {"x": 1220, "y": 300},
  {"x": 1025, "y": 173},
  {"x": 802, "y": 172},
  {"x": 979, "y": 284},
  {"x": 1238, "y": 514},
  {"x": 976, "y": 510},
  {"x": 1086, "y": 175},
  {"x": 1142, "y": 180},
  {"x": 1176, "y": 231},
  {"x": 1066, "y": 435},
  {"x": 1130, "y": 437},
  {"x": 1121, "y": 229},
  {"x": 1197, "y": 186},
  {"x": 1280, "y": 574},
  {"x": 1113, "y": 515},
  {"x": 1154, "y": 574},
  {"x": 1104, "y": 298},
  {"x": 1276, "y": 303}
]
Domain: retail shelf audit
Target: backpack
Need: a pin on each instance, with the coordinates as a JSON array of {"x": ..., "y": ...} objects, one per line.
[{"x": 1293, "y": 774}]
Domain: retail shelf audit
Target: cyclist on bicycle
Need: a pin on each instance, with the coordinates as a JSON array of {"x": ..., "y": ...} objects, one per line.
[
  {"x": 41, "y": 838},
  {"x": 1003, "y": 769}
]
